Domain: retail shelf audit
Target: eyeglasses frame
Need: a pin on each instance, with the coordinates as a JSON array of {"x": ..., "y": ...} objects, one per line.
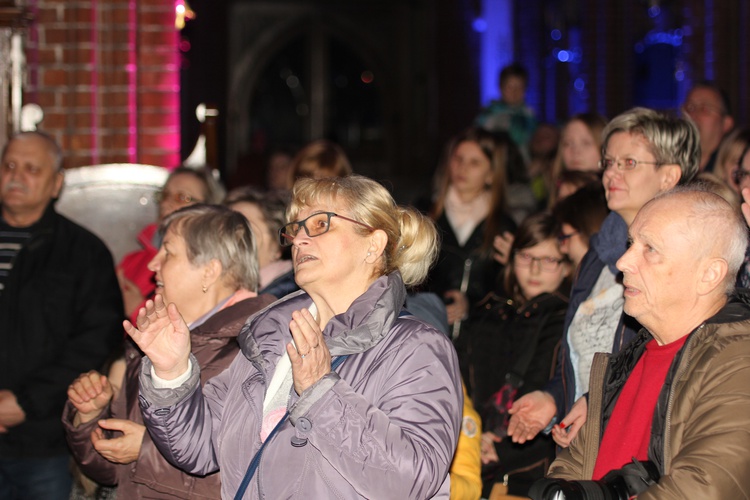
[{"x": 286, "y": 241}]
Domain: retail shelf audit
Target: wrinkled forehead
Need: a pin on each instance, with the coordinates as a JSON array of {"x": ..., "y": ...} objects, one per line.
[{"x": 30, "y": 148}]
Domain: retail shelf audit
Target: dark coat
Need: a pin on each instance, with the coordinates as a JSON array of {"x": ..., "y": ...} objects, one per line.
[
  {"x": 485, "y": 275},
  {"x": 498, "y": 334},
  {"x": 61, "y": 315}
]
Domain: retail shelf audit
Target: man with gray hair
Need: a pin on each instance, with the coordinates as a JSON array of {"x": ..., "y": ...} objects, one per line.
[
  {"x": 677, "y": 396},
  {"x": 60, "y": 315}
]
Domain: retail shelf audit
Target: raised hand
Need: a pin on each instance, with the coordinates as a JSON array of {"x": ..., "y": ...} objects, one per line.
[
  {"x": 311, "y": 359},
  {"x": 502, "y": 245},
  {"x": 89, "y": 393},
  {"x": 567, "y": 430},
  {"x": 122, "y": 449},
  {"x": 163, "y": 336},
  {"x": 530, "y": 414}
]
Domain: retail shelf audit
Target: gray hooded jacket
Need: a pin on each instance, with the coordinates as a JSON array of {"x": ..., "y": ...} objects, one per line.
[{"x": 384, "y": 426}]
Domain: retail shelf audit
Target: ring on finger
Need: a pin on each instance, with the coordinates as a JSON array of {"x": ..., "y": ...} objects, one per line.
[{"x": 303, "y": 355}]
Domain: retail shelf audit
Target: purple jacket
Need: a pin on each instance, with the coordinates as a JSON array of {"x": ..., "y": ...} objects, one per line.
[{"x": 384, "y": 426}]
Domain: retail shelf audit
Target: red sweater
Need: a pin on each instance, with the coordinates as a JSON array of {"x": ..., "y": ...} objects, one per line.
[{"x": 628, "y": 432}]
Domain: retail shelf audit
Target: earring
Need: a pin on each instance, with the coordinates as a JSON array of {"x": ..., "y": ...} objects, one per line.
[
  {"x": 205, "y": 288},
  {"x": 369, "y": 253}
]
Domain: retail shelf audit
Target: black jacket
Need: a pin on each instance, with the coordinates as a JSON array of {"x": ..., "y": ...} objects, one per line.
[
  {"x": 503, "y": 338},
  {"x": 61, "y": 315},
  {"x": 485, "y": 275}
]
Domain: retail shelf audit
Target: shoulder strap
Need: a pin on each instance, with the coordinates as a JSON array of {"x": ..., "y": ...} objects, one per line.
[{"x": 256, "y": 458}]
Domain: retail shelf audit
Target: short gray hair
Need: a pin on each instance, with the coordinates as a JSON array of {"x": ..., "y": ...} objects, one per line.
[
  {"x": 217, "y": 232},
  {"x": 672, "y": 141},
  {"x": 53, "y": 148},
  {"x": 722, "y": 227}
]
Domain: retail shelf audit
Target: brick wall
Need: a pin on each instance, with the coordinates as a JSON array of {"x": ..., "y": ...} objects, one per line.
[{"x": 106, "y": 73}]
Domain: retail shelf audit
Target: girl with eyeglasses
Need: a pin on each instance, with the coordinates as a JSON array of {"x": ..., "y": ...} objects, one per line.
[{"x": 510, "y": 347}]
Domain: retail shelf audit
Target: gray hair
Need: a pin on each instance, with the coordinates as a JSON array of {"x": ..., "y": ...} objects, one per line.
[
  {"x": 722, "y": 228},
  {"x": 53, "y": 148},
  {"x": 217, "y": 232},
  {"x": 672, "y": 141}
]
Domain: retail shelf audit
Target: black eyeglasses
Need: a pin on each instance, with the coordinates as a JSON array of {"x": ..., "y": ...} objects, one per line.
[
  {"x": 315, "y": 225},
  {"x": 548, "y": 264},
  {"x": 739, "y": 175},
  {"x": 624, "y": 164},
  {"x": 178, "y": 197},
  {"x": 562, "y": 237}
]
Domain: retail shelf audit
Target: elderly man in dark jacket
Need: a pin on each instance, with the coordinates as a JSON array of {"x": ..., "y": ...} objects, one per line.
[
  {"x": 60, "y": 315},
  {"x": 677, "y": 396}
]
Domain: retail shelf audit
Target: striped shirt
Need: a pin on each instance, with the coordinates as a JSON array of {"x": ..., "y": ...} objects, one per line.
[{"x": 12, "y": 240}]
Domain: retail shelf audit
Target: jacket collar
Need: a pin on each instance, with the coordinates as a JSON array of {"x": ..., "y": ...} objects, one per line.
[
  {"x": 359, "y": 328},
  {"x": 736, "y": 309},
  {"x": 46, "y": 221},
  {"x": 227, "y": 322}
]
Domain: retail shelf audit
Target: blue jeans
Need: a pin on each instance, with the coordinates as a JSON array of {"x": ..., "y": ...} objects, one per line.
[{"x": 35, "y": 478}]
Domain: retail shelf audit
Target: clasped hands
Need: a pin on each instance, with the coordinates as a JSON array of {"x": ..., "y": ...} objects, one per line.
[{"x": 90, "y": 393}]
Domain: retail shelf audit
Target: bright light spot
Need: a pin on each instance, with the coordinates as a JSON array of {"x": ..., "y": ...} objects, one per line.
[
  {"x": 180, "y": 8},
  {"x": 367, "y": 76},
  {"x": 479, "y": 25},
  {"x": 563, "y": 56}
]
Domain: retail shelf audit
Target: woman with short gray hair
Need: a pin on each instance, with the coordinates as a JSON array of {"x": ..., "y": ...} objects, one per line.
[{"x": 207, "y": 267}]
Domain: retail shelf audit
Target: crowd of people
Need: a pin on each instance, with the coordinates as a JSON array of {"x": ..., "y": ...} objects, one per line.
[{"x": 569, "y": 315}]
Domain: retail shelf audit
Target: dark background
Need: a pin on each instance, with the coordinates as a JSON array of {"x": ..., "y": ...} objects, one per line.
[{"x": 393, "y": 80}]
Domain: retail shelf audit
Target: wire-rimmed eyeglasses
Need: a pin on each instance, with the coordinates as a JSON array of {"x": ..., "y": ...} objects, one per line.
[
  {"x": 315, "y": 225},
  {"x": 623, "y": 164}
]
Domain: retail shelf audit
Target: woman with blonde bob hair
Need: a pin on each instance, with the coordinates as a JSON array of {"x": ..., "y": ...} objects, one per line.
[{"x": 343, "y": 392}]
